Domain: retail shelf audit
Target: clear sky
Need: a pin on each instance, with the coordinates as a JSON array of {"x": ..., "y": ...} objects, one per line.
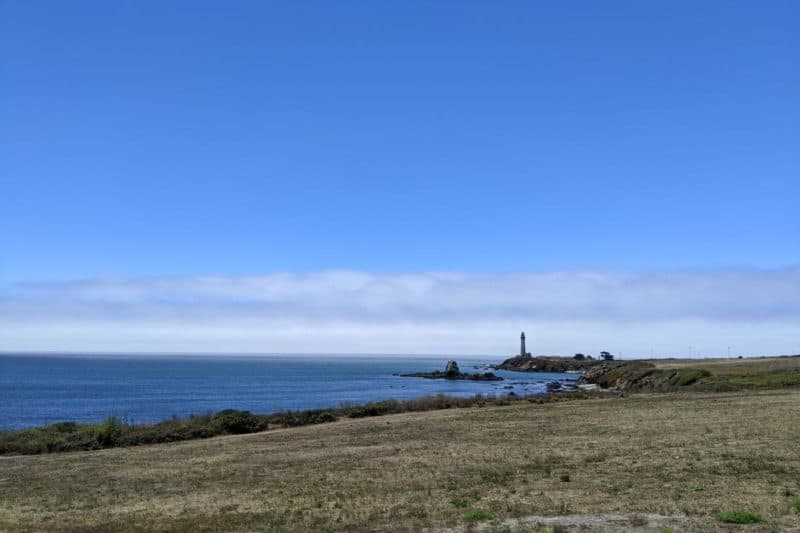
[{"x": 150, "y": 140}]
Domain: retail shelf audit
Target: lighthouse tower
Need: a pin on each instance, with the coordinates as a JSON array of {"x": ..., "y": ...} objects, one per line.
[{"x": 522, "y": 351}]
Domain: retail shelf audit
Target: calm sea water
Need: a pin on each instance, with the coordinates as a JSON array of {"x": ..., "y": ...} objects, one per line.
[{"x": 36, "y": 390}]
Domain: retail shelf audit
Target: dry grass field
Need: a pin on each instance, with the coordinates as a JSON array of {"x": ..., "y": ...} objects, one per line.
[{"x": 603, "y": 464}]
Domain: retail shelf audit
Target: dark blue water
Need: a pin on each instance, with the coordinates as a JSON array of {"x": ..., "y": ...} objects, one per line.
[{"x": 36, "y": 390}]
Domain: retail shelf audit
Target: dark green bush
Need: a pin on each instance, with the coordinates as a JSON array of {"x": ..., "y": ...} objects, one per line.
[
  {"x": 237, "y": 422},
  {"x": 688, "y": 376},
  {"x": 109, "y": 432},
  {"x": 459, "y": 502},
  {"x": 375, "y": 409},
  {"x": 739, "y": 517},
  {"x": 325, "y": 417},
  {"x": 170, "y": 431},
  {"x": 473, "y": 515},
  {"x": 63, "y": 427},
  {"x": 795, "y": 503}
]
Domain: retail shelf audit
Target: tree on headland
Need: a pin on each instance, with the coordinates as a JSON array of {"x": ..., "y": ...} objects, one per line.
[
  {"x": 579, "y": 357},
  {"x": 606, "y": 356}
]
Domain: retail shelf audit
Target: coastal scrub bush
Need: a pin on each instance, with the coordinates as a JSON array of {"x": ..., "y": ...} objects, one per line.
[
  {"x": 688, "y": 376},
  {"x": 58, "y": 437},
  {"x": 232, "y": 421},
  {"x": 383, "y": 407},
  {"x": 739, "y": 517},
  {"x": 461, "y": 503},
  {"x": 795, "y": 502},
  {"x": 69, "y": 436},
  {"x": 475, "y": 514},
  {"x": 193, "y": 427},
  {"x": 301, "y": 418},
  {"x": 109, "y": 432},
  {"x": 564, "y": 478}
]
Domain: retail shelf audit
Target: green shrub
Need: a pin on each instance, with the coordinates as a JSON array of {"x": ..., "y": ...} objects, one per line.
[
  {"x": 375, "y": 409},
  {"x": 459, "y": 502},
  {"x": 194, "y": 427},
  {"x": 69, "y": 436},
  {"x": 688, "y": 376},
  {"x": 795, "y": 502},
  {"x": 473, "y": 515},
  {"x": 739, "y": 517},
  {"x": 109, "y": 432},
  {"x": 564, "y": 478},
  {"x": 301, "y": 418},
  {"x": 232, "y": 421},
  {"x": 325, "y": 417},
  {"x": 63, "y": 427}
]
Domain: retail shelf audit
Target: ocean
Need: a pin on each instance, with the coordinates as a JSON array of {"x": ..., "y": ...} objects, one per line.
[{"x": 37, "y": 390}]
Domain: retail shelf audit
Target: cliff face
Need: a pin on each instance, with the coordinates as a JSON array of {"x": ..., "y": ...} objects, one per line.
[
  {"x": 643, "y": 376},
  {"x": 631, "y": 376},
  {"x": 543, "y": 363}
]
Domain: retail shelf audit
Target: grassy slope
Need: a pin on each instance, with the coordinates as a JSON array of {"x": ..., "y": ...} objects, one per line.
[
  {"x": 686, "y": 455},
  {"x": 763, "y": 372},
  {"x": 706, "y": 375}
]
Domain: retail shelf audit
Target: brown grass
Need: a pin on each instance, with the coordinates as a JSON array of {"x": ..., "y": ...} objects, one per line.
[{"x": 687, "y": 456}]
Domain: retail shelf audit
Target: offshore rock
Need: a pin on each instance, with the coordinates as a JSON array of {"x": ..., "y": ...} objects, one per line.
[{"x": 451, "y": 371}]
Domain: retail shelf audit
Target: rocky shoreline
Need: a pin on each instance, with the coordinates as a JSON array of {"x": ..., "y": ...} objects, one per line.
[
  {"x": 632, "y": 376},
  {"x": 592, "y": 371}
]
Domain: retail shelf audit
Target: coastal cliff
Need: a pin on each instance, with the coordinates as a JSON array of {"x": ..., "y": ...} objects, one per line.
[
  {"x": 631, "y": 376},
  {"x": 645, "y": 376},
  {"x": 667, "y": 375}
]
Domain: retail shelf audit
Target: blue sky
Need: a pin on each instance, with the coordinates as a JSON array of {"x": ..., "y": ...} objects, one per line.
[{"x": 153, "y": 140}]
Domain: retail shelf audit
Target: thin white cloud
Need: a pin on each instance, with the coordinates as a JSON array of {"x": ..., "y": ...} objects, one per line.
[{"x": 753, "y": 311}]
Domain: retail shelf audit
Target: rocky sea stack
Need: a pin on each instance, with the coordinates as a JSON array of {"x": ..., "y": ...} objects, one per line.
[{"x": 451, "y": 371}]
